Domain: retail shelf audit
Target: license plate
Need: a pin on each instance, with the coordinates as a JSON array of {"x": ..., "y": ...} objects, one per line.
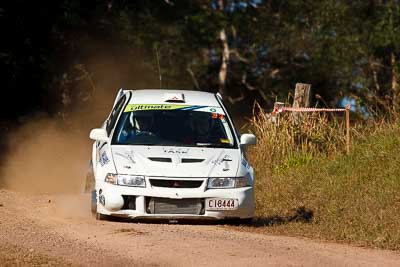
[{"x": 221, "y": 204}]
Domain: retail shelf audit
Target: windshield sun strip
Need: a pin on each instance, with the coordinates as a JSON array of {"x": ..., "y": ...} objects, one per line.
[{"x": 143, "y": 107}]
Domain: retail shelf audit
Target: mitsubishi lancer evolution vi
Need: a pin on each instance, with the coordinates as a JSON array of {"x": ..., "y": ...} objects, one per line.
[{"x": 170, "y": 154}]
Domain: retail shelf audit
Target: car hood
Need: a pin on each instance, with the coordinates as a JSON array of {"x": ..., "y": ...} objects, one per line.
[{"x": 176, "y": 161}]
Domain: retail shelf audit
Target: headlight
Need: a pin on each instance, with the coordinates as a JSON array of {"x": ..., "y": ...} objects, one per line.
[
  {"x": 242, "y": 181},
  {"x": 126, "y": 180},
  {"x": 111, "y": 178},
  {"x": 221, "y": 183},
  {"x": 229, "y": 182}
]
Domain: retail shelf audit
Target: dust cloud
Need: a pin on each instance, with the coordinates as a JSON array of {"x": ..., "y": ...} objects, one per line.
[
  {"x": 51, "y": 154},
  {"x": 46, "y": 156}
]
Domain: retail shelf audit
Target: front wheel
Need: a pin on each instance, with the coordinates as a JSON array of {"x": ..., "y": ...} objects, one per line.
[
  {"x": 101, "y": 217},
  {"x": 93, "y": 203}
]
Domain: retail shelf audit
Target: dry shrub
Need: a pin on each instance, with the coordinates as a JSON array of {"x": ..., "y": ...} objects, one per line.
[
  {"x": 301, "y": 166},
  {"x": 287, "y": 140}
]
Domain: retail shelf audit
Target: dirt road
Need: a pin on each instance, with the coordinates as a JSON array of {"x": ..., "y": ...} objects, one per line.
[{"x": 50, "y": 229}]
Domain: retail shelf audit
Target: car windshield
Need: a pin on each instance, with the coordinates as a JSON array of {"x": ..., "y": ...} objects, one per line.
[{"x": 205, "y": 127}]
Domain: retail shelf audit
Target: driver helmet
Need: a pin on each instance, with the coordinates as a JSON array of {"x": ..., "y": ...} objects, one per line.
[
  {"x": 201, "y": 124},
  {"x": 142, "y": 121}
]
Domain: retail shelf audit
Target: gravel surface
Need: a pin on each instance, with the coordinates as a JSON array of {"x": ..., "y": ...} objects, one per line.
[{"x": 50, "y": 229}]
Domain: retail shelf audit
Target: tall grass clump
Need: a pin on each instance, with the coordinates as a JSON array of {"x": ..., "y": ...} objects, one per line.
[
  {"x": 306, "y": 185},
  {"x": 286, "y": 140}
]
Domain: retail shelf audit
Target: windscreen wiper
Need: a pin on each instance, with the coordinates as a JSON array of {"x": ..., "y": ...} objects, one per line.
[
  {"x": 143, "y": 144},
  {"x": 204, "y": 144},
  {"x": 211, "y": 145}
]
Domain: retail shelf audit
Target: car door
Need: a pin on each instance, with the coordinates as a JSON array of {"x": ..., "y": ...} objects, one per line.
[{"x": 109, "y": 126}]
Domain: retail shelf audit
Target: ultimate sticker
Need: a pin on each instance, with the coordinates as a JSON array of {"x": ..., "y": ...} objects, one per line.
[{"x": 134, "y": 107}]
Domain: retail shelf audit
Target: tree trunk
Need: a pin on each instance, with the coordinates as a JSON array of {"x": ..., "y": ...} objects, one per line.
[
  {"x": 225, "y": 56},
  {"x": 395, "y": 86},
  {"x": 224, "y": 64}
]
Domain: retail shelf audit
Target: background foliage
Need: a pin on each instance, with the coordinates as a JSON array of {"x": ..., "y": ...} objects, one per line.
[{"x": 49, "y": 50}]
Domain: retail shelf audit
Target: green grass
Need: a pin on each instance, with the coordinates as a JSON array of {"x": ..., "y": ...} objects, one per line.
[{"x": 331, "y": 196}]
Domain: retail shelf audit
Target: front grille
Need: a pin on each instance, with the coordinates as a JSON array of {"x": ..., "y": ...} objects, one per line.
[
  {"x": 175, "y": 183},
  {"x": 193, "y": 206}
]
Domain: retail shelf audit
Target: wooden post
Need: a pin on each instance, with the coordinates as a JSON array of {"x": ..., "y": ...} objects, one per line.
[
  {"x": 302, "y": 95},
  {"x": 347, "y": 130},
  {"x": 301, "y": 98}
]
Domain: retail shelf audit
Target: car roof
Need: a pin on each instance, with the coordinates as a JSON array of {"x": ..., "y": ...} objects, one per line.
[{"x": 158, "y": 96}]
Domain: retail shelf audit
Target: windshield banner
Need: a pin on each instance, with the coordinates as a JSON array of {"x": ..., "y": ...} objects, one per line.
[{"x": 136, "y": 107}]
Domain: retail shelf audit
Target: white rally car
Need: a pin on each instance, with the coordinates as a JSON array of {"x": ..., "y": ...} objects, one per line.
[{"x": 170, "y": 154}]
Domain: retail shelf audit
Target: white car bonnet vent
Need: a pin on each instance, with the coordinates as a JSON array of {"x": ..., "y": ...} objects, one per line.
[{"x": 174, "y": 98}]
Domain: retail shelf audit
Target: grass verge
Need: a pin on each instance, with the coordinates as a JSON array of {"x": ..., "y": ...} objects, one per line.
[{"x": 324, "y": 194}]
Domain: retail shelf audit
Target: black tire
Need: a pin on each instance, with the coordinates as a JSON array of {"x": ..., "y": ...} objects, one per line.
[
  {"x": 93, "y": 203},
  {"x": 101, "y": 217},
  {"x": 98, "y": 216}
]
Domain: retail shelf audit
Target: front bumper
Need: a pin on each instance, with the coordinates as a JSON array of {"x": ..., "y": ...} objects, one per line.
[{"x": 110, "y": 194}]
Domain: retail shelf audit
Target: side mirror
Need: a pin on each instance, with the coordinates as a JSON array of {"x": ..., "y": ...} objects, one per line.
[
  {"x": 247, "y": 139},
  {"x": 98, "y": 134}
]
